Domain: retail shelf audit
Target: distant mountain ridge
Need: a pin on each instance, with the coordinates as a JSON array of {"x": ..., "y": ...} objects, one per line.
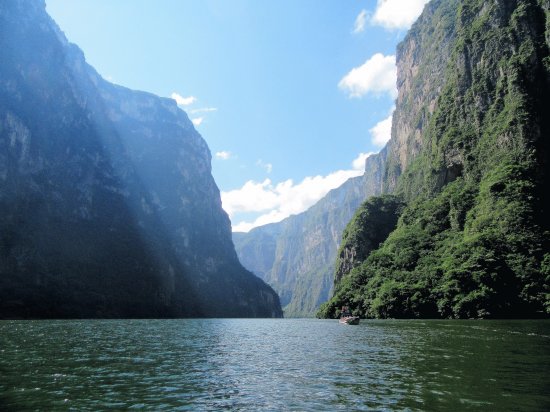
[
  {"x": 296, "y": 256},
  {"x": 107, "y": 203}
]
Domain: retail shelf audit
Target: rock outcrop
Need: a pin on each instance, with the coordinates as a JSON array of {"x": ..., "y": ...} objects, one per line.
[{"x": 371, "y": 224}]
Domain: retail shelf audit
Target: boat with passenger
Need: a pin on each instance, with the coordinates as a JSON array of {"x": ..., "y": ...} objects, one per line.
[
  {"x": 350, "y": 320},
  {"x": 347, "y": 318}
]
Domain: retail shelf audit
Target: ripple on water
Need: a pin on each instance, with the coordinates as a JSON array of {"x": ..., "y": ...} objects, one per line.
[{"x": 274, "y": 365}]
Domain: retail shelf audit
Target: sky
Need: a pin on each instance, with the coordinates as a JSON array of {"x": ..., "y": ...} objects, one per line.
[{"x": 290, "y": 95}]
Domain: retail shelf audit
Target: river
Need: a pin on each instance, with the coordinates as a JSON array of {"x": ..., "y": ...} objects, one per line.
[{"x": 274, "y": 364}]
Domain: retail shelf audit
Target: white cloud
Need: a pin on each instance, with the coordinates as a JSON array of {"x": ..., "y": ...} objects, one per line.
[
  {"x": 251, "y": 197},
  {"x": 359, "y": 162},
  {"x": 360, "y": 22},
  {"x": 381, "y": 131},
  {"x": 275, "y": 202},
  {"x": 271, "y": 217},
  {"x": 197, "y": 120},
  {"x": 204, "y": 110},
  {"x": 267, "y": 166},
  {"x": 378, "y": 75},
  {"x": 397, "y": 14},
  {"x": 183, "y": 101},
  {"x": 224, "y": 155}
]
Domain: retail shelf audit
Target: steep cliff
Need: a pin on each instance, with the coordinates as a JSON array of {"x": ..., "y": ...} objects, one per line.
[
  {"x": 472, "y": 166},
  {"x": 107, "y": 203},
  {"x": 296, "y": 256}
]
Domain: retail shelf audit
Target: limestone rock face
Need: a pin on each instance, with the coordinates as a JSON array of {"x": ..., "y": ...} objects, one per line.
[
  {"x": 107, "y": 203},
  {"x": 418, "y": 85}
]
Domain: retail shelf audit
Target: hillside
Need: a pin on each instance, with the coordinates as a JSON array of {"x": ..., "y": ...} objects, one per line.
[{"x": 472, "y": 168}]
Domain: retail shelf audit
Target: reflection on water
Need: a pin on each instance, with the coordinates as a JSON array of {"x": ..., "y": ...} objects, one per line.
[{"x": 274, "y": 365}]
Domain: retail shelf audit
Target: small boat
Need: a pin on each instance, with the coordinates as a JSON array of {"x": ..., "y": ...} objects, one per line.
[
  {"x": 347, "y": 318},
  {"x": 350, "y": 320}
]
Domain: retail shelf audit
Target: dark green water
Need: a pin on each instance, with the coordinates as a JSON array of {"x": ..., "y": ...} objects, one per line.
[{"x": 274, "y": 365}]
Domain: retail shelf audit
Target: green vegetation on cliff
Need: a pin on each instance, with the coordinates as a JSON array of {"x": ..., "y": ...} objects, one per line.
[
  {"x": 473, "y": 240},
  {"x": 369, "y": 227}
]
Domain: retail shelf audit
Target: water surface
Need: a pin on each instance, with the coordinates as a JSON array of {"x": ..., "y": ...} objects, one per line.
[{"x": 284, "y": 364}]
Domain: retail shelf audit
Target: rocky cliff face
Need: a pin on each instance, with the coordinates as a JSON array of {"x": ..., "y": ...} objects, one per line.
[
  {"x": 296, "y": 256},
  {"x": 418, "y": 85},
  {"x": 107, "y": 203},
  {"x": 469, "y": 156},
  {"x": 304, "y": 286}
]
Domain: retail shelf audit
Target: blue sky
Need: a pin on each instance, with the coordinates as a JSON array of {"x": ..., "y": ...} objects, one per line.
[{"x": 290, "y": 95}]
